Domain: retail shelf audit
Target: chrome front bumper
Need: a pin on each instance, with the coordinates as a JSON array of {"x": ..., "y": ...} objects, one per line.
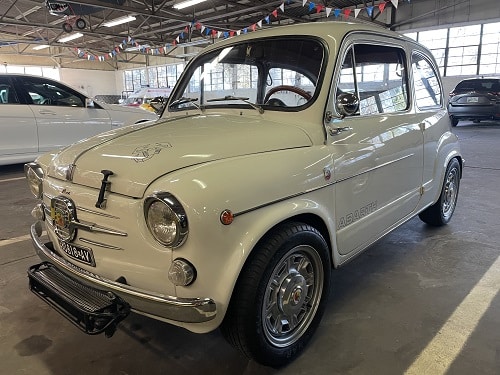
[{"x": 187, "y": 310}]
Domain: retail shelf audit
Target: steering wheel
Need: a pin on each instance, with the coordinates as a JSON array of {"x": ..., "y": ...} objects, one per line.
[{"x": 294, "y": 89}]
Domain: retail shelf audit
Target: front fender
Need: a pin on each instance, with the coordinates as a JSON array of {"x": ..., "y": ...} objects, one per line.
[{"x": 261, "y": 190}]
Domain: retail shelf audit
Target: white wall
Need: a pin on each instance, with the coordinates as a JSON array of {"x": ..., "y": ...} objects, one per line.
[{"x": 92, "y": 82}]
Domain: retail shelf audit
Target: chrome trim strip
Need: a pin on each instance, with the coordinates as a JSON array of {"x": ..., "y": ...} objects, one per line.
[
  {"x": 91, "y": 227},
  {"x": 318, "y": 188},
  {"x": 188, "y": 310},
  {"x": 78, "y": 208},
  {"x": 95, "y": 243},
  {"x": 375, "y": 168}
]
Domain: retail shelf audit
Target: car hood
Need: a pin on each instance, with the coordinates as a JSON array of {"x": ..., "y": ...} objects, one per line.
[{"x": 139, "y": 154}]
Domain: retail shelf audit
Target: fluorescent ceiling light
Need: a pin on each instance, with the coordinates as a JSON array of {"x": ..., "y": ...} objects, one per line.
[
  {"x": 137, "y": 48},
  {"x": 187, "y": 3},
  {"x": 119, "y": 21},
  {"x": 70, "y": 37},
  {"x": 41, "y": 46}
]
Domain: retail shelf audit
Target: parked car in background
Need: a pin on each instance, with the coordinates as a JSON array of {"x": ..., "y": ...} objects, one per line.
[
  {"x": 39, "y": 114},
  {"x": 475, "y": 99},
  {"x": 232, "y": 210}
]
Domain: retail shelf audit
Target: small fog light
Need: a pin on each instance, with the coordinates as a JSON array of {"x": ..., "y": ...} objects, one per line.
[
  {"x": 38, "y": 213},
  {"x": 181, "y": 272}
]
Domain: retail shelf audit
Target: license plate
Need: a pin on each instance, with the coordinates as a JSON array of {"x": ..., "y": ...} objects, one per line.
[
  {"x": 79, "y": 253},
  {"x": 472, "y": 99}
]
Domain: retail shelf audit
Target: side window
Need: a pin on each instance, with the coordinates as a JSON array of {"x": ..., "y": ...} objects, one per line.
[
  {"x": 51, "y": 93},
  {"x": 426, "y": 79},
  {"x": 7, "y": 92},
  {"x": 377, "y": 75}
]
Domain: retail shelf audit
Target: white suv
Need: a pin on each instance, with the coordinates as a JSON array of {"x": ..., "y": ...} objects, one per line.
[
  {"x": 40, "y": 114},
  {"x": 280, "y": 156}
]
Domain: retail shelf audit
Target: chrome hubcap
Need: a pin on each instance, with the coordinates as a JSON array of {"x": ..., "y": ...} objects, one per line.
[
  {"x": 292, "y": 296},
  {"x": 450, "y": 193}
]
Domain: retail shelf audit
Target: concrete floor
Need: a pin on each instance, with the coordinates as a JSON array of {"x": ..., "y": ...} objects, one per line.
[{"x": 421, "y": 301}]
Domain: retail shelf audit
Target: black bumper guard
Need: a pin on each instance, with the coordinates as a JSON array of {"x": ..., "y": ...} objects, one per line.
[{"x": 92, "y": 310}]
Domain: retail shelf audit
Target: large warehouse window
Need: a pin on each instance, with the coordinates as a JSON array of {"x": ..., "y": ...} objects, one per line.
[
  {"x": 490, "y": 51},
  {"x": 464, "y": 50},
  {"x": 43, "y": 71},
  {"x": 155, "y": 77}
]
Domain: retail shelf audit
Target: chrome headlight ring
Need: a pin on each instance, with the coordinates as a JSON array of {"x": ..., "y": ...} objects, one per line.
[
  {"x": 34, "y": 174},
  {"x": 166, "y": 219}
]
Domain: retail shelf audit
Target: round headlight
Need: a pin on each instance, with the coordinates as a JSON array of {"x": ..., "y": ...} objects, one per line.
[
  {"x": 166, "y": 219},
  {"x": 34, "y": 175}
]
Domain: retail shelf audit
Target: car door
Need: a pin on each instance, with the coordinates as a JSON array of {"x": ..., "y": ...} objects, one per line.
[
  {"x": 18, "y": 133},
  {"x": 61, "y": 113},
  {"x": 378, "y": 150}
]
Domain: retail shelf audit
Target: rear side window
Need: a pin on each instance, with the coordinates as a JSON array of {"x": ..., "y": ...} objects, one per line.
[
  {"x": 427, "y": 85},
  {"x": 377, "y": 76},
  {"x": 51, "y": 93}
]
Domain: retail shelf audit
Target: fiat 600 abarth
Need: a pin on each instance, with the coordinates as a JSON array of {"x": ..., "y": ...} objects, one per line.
[{"x": 280, "y": 155}]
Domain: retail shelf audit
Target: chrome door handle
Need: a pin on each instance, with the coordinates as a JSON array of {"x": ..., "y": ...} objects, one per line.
[{"x": 44, "y": 112}]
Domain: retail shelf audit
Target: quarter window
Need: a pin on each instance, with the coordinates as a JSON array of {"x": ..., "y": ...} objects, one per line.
[
  {"x": 377, "y": 76},
  {"x": 427, "y": 87}
]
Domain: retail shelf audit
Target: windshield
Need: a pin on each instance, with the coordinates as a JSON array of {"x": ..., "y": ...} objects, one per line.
[{"x": 270, "y": 74}]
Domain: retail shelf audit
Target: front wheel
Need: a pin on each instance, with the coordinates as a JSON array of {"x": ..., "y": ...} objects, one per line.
[
  {"x": 440, "y": 213},
  {"x": 280, "y": 295}
]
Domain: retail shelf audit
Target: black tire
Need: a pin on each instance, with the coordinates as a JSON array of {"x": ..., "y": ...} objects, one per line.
[
  {"x": 67, "y": 27},
  {"x": 80, "y": 23},
  {"x": 280, "y": 295},
  {"x": 454, "y": 121},
  {"x": 440, "y": 213}
]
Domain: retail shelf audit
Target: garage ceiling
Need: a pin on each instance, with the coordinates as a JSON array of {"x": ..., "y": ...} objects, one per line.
[{"x": 158, "y": 27}]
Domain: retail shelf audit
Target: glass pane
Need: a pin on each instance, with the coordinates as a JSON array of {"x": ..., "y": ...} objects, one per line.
[{"x": 427, "y": 88}]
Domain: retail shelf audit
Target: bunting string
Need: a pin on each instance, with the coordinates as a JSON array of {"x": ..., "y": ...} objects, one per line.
[{"x": 213, "y": 33}]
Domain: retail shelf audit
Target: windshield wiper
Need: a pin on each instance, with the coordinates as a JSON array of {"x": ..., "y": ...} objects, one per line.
[
  {"x": 243, "y": 99},
  {"x": 184, "y": 100}
]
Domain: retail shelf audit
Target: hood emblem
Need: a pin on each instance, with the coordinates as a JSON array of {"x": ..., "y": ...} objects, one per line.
[
  {"x": 101, "y": 201},
  {"x": 146, "y": 152}
]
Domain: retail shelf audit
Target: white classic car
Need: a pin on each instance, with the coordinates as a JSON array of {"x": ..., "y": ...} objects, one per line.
[
  {"x": 280, "y": 156},
  {"x": 39, "y": 114}
]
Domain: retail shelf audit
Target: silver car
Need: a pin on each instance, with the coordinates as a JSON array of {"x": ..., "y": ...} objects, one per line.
[{"x": 40, "y": 114}]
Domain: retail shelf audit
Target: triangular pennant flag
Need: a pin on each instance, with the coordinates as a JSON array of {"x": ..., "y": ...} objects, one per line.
[
  {"x": 253, "y": 27},
  {"x": 282, "y": 7},
  {"x": 129, "y": 38},
  {"x": 260, "y": 24},
  {"x": 336, "y": 12},
  {"x": 394, "y": 3},
  {"x": 231, "y": 33},
  {"x": 347, "y": 12},
  {"x": 267, "y": 19},
  {"x": 275, "y": 13},
  {"x": 304, "y": 2},
  {"x": 245, "y": 30},
  {"x": 226, "y": 35},
  {"x": 238, "y": 32},
  {"x": 328, "y": 11},
  {"x": 177, "y": 39},
  {"x": 186, "y": 29},
  {"x": 369, "y": 10},
  {"x": 319, "y": 8},
  {"x": 311, "y": 6},
  {"x": 214, "y": 33},
  {"x": 381, "y": 7},
  {"x": 182, "y": 35},
  {"x": 219, "y": 33},
  {"x": 356, "y": 12}
]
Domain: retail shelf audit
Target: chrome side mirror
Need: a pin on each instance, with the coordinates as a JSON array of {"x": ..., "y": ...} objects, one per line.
[{"x": 347, "y": 104}]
